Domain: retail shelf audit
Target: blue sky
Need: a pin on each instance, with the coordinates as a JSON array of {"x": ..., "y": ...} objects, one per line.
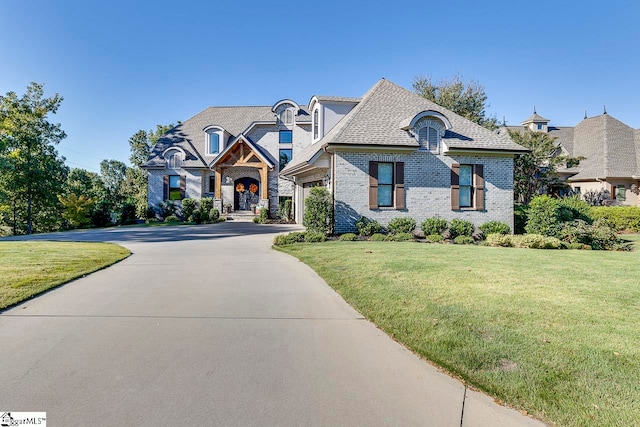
[{"x": 128, "y": 65}]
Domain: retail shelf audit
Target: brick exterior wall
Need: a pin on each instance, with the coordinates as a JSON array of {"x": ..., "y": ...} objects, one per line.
[
  {"x": 155, "y": 184},
  {"x": 427, "y": 188}
]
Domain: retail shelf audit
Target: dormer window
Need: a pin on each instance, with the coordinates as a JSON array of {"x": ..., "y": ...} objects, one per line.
[
  {"x": 213, "y": 142},
  {"x": 428, "y": 128},
  {"x": 174, "y": 158},
  {"x": 429, "y": 137},
  {"x": 428, "y": 132},
  {"x": 315, "y": 124},
  {"x": 286, "y": 117}
]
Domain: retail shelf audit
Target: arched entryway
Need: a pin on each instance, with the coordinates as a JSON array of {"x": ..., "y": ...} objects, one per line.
[{"x": 246, "y": 193}]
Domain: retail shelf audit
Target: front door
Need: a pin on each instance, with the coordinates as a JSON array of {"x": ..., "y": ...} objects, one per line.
[{"x": 246, "y": 194}]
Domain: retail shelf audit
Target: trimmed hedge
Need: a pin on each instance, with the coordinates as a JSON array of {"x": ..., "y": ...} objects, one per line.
[
  {"x": 367, "y": 227},
  {"x": 461, "y": 227},
  {"x": 348, "y": 237},
  {"x": 620, "y": 218},
  {"x": 493, "y": 227}
]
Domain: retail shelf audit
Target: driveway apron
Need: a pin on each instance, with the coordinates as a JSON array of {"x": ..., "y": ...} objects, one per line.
[{"x": 207, "y": 325}]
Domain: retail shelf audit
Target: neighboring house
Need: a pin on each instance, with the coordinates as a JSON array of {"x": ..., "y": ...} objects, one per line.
[
  {"x": 390, "y": 154},
  {"x": 611, "y": 152}
]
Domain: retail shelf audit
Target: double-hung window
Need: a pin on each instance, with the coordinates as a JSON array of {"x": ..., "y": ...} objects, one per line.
[
  {"x": 385, "y": 184},
  {"x": 467, "y": 187},
  {"x": 213, "y": 145}
]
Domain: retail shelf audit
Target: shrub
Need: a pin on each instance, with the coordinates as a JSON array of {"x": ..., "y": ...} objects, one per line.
[
  {"x": 461, "y": 227},
  {"x": 494, "y": 227},
  {"x": 367, "y": 227},
  {"x": 537, "y": 241},
  {"x": 400, "y": 237},
  {"x": 128, "y": 213},
  {"x": 318, "y": 209},
  {"x": 520, "y": 215},
  {"x": 598, "y": 235},
  {"x": 600, "y": 198},
  {"x": 432, "y": 226},
  {"x": 204, "y": 216},
  {"x": 435, "y": 238},
  {"x": 171, "y": 218},
  {"x": 263, "y": 217},
  {"x": 620, "y": 218},
  {"x": 463, "y": 240},
  {"x": 214, "y": 215},
  {"x": 401, "y": 225},
  {"x": 101, "y": 214},
  {"x": 289, "y": 239},
  {"x": 504, "y": 240},
  {"x": 576, "y": 246},
  {"x": 348, "y": 237},
  {"x": 196, "y": 217},
  {"x": 206, "y": 204},
  {"x": 547, "y": 214},
  {"x": 284, "y": 210},
  {"x": 167, "y": 208},
  {"x": 378, "y": 237},
  {"x": 315, "y": 237},
  {"x": 150, "y": 213},
  {"x": 188, "y": 206},
  {"x": 5, "y": 231}
]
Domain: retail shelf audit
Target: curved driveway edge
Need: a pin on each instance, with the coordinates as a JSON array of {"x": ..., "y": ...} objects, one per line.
[{"x": 206, "y": 325}]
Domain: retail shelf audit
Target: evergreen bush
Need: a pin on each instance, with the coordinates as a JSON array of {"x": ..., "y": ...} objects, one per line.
[
  {"x": 460, "y": 227},
  {"x": 367, "y": 227},
  {"x": 401, "y": 225},
  {"x": 318, "y": 210},
  {"x": 432, "y": 226},
  {"x": 348, "y": 237},
  {"x": 493, "y": 227}
]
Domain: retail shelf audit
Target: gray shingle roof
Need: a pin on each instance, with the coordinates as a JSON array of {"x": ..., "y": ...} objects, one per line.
[
  {"x": 322, "y": 98},
  {"x": 190, "y": 135},
  {"x": 535, "y": 118},
  {"x": 609, "y": 147},
  {"x": 378, "y": 117}
]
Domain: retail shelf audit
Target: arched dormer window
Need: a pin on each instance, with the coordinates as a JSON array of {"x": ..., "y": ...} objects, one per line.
[
  {"x": 286, "y": 117},
  {"x": 316, "y": 124},
  {"x": 213, "y": 142},
  {"x": 174, "y": 158},
  {"x": 428, "y": 128},
  {"x": 429, "y": 138}
]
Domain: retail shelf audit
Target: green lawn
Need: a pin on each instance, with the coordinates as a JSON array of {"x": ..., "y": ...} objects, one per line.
[
  {"x": 555, "y": 333},
  {"x": 29, "y": 268}
]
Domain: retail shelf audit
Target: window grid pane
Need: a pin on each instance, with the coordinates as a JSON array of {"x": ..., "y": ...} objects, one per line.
[
  {"x": 465, "y": 197},
  {"x": 385, "y": 195},
  {"x": 385, "y": 173},
  {"x": 285, "y": 157},
  {"x": 286, "y": 136},
  {"x": 465, "y": 175},
  {"x": 174, "y": 181}
]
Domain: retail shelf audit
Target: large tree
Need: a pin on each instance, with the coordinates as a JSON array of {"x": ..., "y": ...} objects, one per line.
[
  {"x": 113, "y": 174},
  {"x": 467, "y": 99},
  {"x": 32, "y": 172},
  {"x": 136, "y": 182},
  {"x": 536, "y": 171}
]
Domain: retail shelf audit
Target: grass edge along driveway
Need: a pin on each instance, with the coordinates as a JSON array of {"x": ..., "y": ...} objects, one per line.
[
  {"x": 30, "y": 268},
  {"x": 554, "y": 333}
]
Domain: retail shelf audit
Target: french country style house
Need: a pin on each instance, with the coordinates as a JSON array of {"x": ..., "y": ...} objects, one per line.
[
  {"x": 388, "y": 154},
  {"x": 610, "y": 150}
]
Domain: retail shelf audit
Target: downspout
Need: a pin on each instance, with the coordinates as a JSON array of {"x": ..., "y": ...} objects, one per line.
[{"x": 333, "y": 188}]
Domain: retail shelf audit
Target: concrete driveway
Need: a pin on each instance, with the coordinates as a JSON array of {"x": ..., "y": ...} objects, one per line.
[{"x": 206, "y": 325}]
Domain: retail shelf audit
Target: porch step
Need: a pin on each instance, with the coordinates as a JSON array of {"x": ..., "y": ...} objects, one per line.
[{"x": 240, "y": 216}]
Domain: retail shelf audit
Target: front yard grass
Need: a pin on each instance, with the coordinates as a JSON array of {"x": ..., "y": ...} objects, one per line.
[
  {"x": 29, "y": 268},
  {"x": 552, "y": 332}
]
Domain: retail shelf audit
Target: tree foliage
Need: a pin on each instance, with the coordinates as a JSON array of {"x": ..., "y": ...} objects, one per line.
[
  {"x": 536, "y": 171},
  {"x": 77, "y": 209},
  {"x": 467, "y": 99},
  {"x": 140, "y": 144},
  {"x": 32, "y": 172},
  {"x": 113, "y": 174}
]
